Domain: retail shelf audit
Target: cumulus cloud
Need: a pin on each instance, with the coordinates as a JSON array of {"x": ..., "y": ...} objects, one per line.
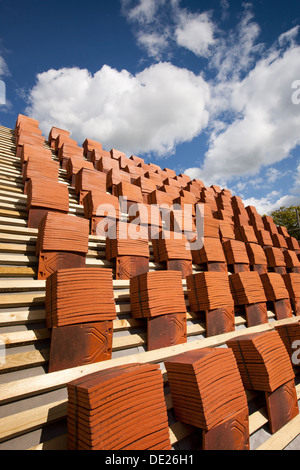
[
  {"x": 4, "y": 73},
  {"x": 154, "y": 43},
  {"x": 142, "y": 11},
  {"x": 3, "y": 67},
  {"x": 151, "y": 111},
  {"x": 236, "y": 50},
  {"x": 195, "y": 32},
  {"x": 161, "y": 24},
  {"x": 261, "y": 125},
  {"x": 266, "y": 205}
]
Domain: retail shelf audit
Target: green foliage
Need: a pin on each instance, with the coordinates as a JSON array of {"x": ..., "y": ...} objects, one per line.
[{"x": 286, "y": 216}]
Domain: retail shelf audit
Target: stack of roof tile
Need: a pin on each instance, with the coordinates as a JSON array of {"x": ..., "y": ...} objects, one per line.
[
  {"x": 114, "y": 177},
  {"x": 104, "y": 163},
  {"x": 156, "y": 293},
  {"x": 136, "y": 160},
  {"x": 28, "y": 137},
  {"x": 210, "y": 292},
  {"x": 169, "y": 173},
  {"x": 290, "y": 335},
  {"x": 182, "y": 220},
  {"x": 292, "y": 244},
  {"x": 63, "y": 232},
  {"x": 262, "y": 360},
  {"x": 183, "y": 179},
  {"x": 208, "y": 196},
  {"x": 270, "y": 225},
  {"x": 257, "y": 258},
  {"x": 123, "y": 244},
  {"x": 283, "y": 231},
  {"x": 211, "y": 226},
  {"x": 263, "y": 237},
  {"x": 241, "y": 217},
  {"x": 62, "y": 242},
  {"x": 79, "y": 295},
  {"x": 116, "y": 154},
  {"x": 131, "y": 192},
  {"x": 247, "y": 291},
  {"x": 189, "y": 197},
  {"x": 80, "y": 309},
  {"x": 54, "y": 133},
  {"x": 207, "y": 392},
  {"x": 226, "y": 230},
  {"x": 195, "y": 186},
  {"x": 88, "y": 180},
  {"x": 98, "y": 203},
  {"x": 239, "y": 207},
  {"x": 211, "y": 255},
  {"x": 171, "y": 182},
  {"x": 154, "y": 167},
  {"x": 173, "y": 249},
  {"x": 158, "y": 296},
  {"x": 292, "y": 261},
  {"x": 155, "y": 178},
  {"x": 292, "y": 282},
  {"x": 245, "y": 234},
  {"x": 129, "y": 250},
  {"x": 276, "y": 292},
  {"x": 276, "y": 261},
  {"x": 125, "y": 163},
  {"x": 29, "y": 150},
  {"x": 62, "y": 139},
  {"x": 45, "y": 195},
  {"x": 146, "y": 215},
  {"x": 265, "y": 365},
  {"x": 23, "y": 120},
  {"x": 89, "y": 145},
  {"x": 68, "y": 150},
  {"x": 247, "y": 288},
  {"x": 121, "y": 408},
  {"x": 173, "y": 191},
  {"x": 134, "y": 171},
  {"x": 224, "y": 204},
  {"x": 74, "y": 165},
  {"x": 279, "y": 240},
  {"x": 254, "y": 218},
  {"x": 236, "y": 255},
  {"x": 147, "y": 186},
  {"x": 160, "y": 198},
  {"x": 41, "y": 168},
  {"x": 186, "y": 203}
]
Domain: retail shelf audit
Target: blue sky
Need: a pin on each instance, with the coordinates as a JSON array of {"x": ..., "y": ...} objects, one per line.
[{"x": 203, "y": 87}]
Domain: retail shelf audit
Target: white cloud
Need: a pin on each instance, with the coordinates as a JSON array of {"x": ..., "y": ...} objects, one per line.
[
  {"x": 235, "y": 51},
  {"x": 195, "y": 32},
  {"x": 159, "y": 24},
  {"x": 152, "y": 111},
  {"x": 272, "y": 174},
  {"x": 265, "y": 205},
  {"x": 3, "y": 67},
  {"x": 143, "y": 12},
  {"x": 265, "y": 127},
  {"x": 155, "y": 44},
  {"x": 289, "y": 36}
]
